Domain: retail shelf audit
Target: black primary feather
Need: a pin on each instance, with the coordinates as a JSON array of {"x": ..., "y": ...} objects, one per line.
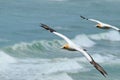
[
  {"x": 47, "y": 28},
  {"x": 84, "y": 17},
  {"x": 99, "y": 68}
]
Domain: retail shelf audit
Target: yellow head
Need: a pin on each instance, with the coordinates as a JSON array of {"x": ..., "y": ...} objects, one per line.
[{"x": 66, "y": 46}]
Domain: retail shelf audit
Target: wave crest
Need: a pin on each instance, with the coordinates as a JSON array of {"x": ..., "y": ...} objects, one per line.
[
  {"x": 84, "y": 41},
  {"x": 111, "y": 36},
  {"x": 42, "y": 45}
]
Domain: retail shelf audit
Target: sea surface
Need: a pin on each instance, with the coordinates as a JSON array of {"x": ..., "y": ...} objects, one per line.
[{"x": 28, "y": 52}]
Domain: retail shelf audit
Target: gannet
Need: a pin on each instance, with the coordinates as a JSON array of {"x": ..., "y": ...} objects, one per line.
[
  {"x": 73, "y": 47},
  {"x": 101, "y": 25}
]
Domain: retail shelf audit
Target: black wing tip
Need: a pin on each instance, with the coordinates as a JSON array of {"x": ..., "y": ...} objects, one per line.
[
  {"x": 83, "y": 17},
  {"x": 47, "y": 27},
  {"x": 99, "y": 68},
  {"x": 43, "y": 25}
]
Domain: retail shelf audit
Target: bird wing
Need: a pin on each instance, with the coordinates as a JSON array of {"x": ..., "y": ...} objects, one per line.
[
  {"x": 56, "y": 33},
  {"x": 64, "y": 37},
  {"x": 91, "y": 60},
  {"x": 114, "y": 27},
  {"x": 93, "y": 20}
]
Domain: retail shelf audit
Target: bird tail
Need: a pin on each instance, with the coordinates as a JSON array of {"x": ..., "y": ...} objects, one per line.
[{"x": 99, "y": 68}]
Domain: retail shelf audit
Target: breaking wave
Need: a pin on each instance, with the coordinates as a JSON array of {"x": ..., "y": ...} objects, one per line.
[
  {"x": 41, "y": 46},
  {"x": 35, "y": 45},
  {"x": 84, "y": 41},
  {"x": 50, "y": 48},
  {"x": 111, "y": 36}
]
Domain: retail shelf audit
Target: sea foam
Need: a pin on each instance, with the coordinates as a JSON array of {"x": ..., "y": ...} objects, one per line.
[
  {"x": 60, "y": 76},
  {"x": 55, "y": 67},
  {"x": 111, "y": 36},
  {"x": 5, "y": 58},
  {"x": 84, "y": 41}
]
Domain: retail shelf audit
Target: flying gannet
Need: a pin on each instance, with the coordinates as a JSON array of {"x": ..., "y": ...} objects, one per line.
[
  {"x": 101, "y": 25},
  {"x": 73, "y": 47}
]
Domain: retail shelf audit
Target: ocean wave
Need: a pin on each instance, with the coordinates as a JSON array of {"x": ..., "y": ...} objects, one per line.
[
  {"x": 111, "y": 36},
  {"x": 43, "y": 45},
  {"x": 36, "y": 45},
  {"x": 70, "y": 65},
  {"x": 56, "y": 67},
  {"x": 40, "y": 48},
  {"x": 52, "y": 48},
  {"x": 105, "y": 59}
]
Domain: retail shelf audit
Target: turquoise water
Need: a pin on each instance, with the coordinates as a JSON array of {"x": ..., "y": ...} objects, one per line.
[{"x": 28, "y": 52}]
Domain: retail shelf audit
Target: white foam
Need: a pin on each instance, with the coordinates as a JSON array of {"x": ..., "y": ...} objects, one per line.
[
  {"x": 5, "y": 58},
  {"x": 104, "y": 58},
  {"x": 55, "y": 67},
  {"x": 108, "y": 58},
  {"x": 83, "y": 41},
  {"x": 60, "y": 76},
  {"x": 111, "y": 36}
]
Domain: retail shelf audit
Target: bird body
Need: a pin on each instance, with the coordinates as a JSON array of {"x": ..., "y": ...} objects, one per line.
[{"x": 68, "y": 47}]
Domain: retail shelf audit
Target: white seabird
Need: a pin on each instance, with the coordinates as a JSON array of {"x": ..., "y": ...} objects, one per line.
[
  {"x": 101, "y": 25},
  {"x": 73, "y": 47}
]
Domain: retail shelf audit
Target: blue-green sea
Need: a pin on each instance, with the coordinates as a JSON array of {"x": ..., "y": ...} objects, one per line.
[{"x": 28, "y": 52}]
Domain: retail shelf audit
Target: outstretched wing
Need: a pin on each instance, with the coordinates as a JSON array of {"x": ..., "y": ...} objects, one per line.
[
  {"x": 93, "y": 20},
  {"x": 47, "y": 28},
  {"x": 56, "y": 33},
  {"x": 114, "y": 27},
  {"x": 91, "y": 60}
]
